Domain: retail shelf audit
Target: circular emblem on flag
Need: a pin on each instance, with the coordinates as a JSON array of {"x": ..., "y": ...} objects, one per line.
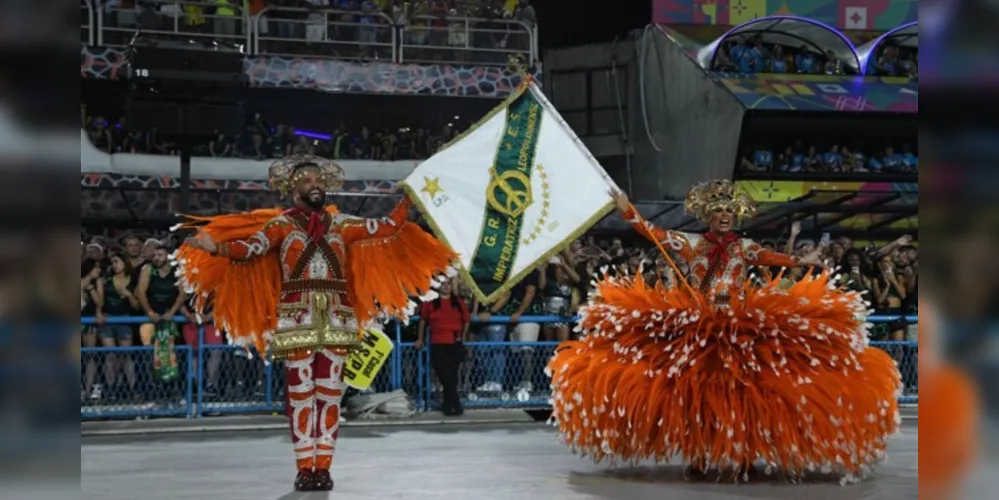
[{"x": 509, "y": 193}]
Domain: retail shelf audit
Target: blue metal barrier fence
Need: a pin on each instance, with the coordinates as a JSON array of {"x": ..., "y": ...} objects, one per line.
[{"x": 216, "y": 378}]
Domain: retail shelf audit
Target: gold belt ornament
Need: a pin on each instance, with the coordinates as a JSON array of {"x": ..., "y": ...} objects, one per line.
[{"x": 320, "y": 334}]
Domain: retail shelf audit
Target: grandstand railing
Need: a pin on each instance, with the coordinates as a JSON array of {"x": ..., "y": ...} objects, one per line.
[
  {"x": 88, "y": 33},
  {"x": 222, "y": 379},
  {"x": 320, "y": 33},
  {"x": 464, "y": 40},
  {"x": 118, "y": 27},
  {"x": 325, "y": 33}
]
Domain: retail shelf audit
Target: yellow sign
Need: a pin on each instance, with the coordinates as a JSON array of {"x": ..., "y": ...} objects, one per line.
[
  {"x": 362, "y": 365},
  {"x": 518, "y": 197}
]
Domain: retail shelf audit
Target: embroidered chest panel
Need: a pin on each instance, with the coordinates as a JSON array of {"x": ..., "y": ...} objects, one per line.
[
  {"x": 303, "y": 259},
  {"x": 729, "y": 274}
]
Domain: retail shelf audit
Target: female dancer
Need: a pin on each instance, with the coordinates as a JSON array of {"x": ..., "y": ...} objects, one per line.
[{"x": 720, "y": 372}]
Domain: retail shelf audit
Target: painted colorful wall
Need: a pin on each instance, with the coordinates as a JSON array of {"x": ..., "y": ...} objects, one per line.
[
  {"x": 861, "y": 15},
  {"x": 769, "y": 194}
]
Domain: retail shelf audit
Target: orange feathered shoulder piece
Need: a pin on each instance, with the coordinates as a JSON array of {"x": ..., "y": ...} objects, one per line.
[
  {"x": 245, "y": 294},
  {"x": 384, "y": 273}
]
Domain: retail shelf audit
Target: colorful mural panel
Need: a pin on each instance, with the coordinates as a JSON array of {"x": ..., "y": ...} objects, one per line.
[
  {"x": 823, "y": 93},
  {"x": 341, "y": 76},
  {"x": 784, "y": 191},
  {"x": 771, "y": 193},
  {"x": 877, "y": 15}
]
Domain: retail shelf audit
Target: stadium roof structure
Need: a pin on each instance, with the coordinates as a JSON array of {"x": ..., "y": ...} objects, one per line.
[
  {"x": 788, "y": 30},
  {"x": 906, "y": 35}
]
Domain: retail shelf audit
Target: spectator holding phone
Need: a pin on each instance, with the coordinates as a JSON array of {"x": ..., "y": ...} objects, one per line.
[
  {"x": 559, "y": 294},
  {"x": 889, "y": 288},
  {"x": 858, "y": 278}
]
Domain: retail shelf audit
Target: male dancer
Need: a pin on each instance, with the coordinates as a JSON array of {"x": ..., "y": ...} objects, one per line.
[{"x": 326, "y": 275}]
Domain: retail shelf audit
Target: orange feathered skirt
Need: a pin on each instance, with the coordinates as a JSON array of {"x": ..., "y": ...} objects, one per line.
[{"x": 782, "y": 377}]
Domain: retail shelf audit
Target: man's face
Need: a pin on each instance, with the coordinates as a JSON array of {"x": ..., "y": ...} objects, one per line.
[
  {"x": 310, "y": 189},
  {"x": 633, "y": 263},
  {"x": 148, "y": 251},
  {"x": 161, "y": 258},
  {"x": 901, "y": 258},
  {"x": 94, "y": 252},
  {"x": 722, "y": 220},
  {"x": 133, "y": 248}
]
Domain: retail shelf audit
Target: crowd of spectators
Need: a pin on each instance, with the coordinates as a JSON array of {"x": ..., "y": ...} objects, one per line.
[
  {"x": 887, "y": 276},
  {"x": 895, "y": 61},
  {"x": 835, "y": 159},
  {"x": 752, "y": 55},
  {"x": 132, "y": 277},
  {"x": 887, "y": 273},
  {"x": 260, "y": 141},
  {"x": 430, "y": 29}
]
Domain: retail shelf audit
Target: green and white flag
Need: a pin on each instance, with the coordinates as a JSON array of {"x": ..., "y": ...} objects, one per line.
[{"x": 510, "y": 192}]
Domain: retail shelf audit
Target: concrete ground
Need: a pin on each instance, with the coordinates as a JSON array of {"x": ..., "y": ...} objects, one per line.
[
  {"x": 456, "y": 462},
  {"x": 278, "y": 422}
]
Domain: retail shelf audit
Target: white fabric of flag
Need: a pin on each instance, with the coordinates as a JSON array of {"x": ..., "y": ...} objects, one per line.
[{"x": 512, "y": 191}]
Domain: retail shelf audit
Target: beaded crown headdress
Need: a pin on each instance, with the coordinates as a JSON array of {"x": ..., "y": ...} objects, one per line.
[
  {"x": 703, "y": 199},
  {"x": 285, "y": 173}
]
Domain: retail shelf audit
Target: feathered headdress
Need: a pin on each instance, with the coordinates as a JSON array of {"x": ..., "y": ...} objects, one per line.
[
  {"x": 285, "y": 173},
  {"x": 703, "y": 199}
]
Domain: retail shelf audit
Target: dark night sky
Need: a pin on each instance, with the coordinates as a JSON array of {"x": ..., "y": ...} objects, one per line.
[{"x": 577, "y": 22}]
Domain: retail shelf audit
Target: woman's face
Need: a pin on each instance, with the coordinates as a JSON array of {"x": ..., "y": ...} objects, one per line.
[
  {"x": 560, "y": 275},
  {"x": 117, "y": 265},
  {"x": 885, "y": 261},
  {"x": 722, "y": 220},
  {"x": 854, "y": 260},
  {"x": 837, "y": 251}
]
